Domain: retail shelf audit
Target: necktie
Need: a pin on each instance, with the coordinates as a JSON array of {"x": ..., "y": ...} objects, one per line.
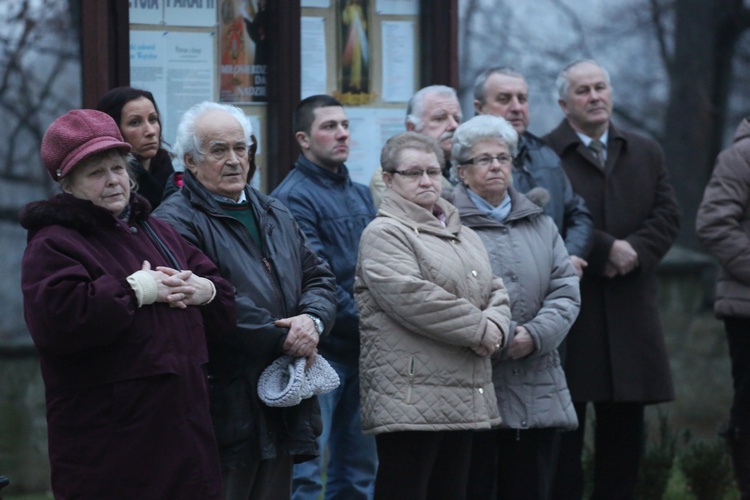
[{"x": 597, "y": 148}]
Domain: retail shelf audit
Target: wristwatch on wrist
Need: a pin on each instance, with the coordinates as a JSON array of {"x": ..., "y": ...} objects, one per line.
[{"x": 318, "y": 323}]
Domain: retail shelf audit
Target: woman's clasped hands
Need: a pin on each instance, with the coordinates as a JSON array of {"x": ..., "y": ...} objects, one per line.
[{"x": 179, "y": 288}]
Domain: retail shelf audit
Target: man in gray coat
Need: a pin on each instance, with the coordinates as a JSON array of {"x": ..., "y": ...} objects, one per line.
[
  {"x": 616, "y": 357},
  {"x": 502, "y": 91}
]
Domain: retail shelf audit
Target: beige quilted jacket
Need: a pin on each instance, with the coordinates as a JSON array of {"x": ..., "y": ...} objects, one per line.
[{"x": 425, "y": 293}]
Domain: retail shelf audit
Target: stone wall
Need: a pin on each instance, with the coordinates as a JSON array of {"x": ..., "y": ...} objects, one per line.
[
  {"x": 23, "y": 428},
  {"x": 696, "y": 344}
]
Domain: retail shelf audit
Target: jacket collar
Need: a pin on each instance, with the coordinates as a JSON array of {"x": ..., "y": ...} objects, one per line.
[
  {"x": 321, "y": 174},
  {"x": 66, "y": 210},
  {"x": 197, "y": 193},
  {"x": 569, "y": 138},
  {"x": 417, "y": 218},
  {"x": 521, "y": 208},
  {"x": 743, "y": 131}
]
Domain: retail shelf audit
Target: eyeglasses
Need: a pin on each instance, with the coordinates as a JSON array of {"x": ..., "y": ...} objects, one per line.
[
  {"x": 486, "y": 160},
  {"x": 220, "y": 150},
  {"x": 413, "y": 175}
]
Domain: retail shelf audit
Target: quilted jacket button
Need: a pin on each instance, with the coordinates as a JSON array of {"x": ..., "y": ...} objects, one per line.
[
  {"x": 474, "y": 273},
  {"x": 481, "y": 391}
]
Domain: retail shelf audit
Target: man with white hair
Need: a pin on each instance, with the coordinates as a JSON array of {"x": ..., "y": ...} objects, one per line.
[
  {"x": 285, "y": 298},
  {"x": 433, "y": 111},
  {"x": 616, "y": 357}
]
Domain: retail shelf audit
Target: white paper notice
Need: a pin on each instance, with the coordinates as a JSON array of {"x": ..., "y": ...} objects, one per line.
[
  {"x": 190, "y": 12},
  {"x": 398, "y": 60},
  {"x": 177, "y": 67},
  {"x": 369, "y": 129},
  {"x": 398, "y": 7},
  {"x": 313, "y": 55},
  {"x": 146, "y": 11},
  {"x": 316, "y": 3}
]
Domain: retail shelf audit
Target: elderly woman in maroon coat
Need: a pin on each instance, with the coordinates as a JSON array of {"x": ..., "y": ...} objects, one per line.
[{"x": 116, "y": 303}]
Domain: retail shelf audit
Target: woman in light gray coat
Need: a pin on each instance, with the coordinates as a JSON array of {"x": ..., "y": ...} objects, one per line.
[
  {"x": 525, "y": 250},
  {"x": 431, "y": 314}
]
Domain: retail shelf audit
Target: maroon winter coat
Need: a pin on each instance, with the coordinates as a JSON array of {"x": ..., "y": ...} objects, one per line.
[
  {"x": 127, "y": 399},
  {"x": 615, "y": 350}
]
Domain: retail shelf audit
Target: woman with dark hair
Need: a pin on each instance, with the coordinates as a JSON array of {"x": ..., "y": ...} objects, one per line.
[{"x": 137, "y": 116}]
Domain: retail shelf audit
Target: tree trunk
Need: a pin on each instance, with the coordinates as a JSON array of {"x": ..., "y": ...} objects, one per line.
[{"x": 700, "y": 71}]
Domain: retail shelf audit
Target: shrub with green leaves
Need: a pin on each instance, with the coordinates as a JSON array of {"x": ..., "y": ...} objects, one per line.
[
  {"x": 656, "y": 466},
  {"x": 707, "y": 469}
]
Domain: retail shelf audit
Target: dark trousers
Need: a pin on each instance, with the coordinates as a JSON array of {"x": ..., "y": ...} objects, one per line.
[
  {"x": 515, "y": 464},
  {"x": 259, "y": 480},
  {"x": 738, "y": 433},
  {"x": 738, "y": 336},
  {"x": 618, "y": 450},
  {"x": 414, "y": 465}
]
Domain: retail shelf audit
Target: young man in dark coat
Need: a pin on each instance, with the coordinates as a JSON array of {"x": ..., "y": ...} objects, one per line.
[
  {"x": 616, "y": 357},
  {"x": 285, "y": 300},
  {"x": 332, "y": 212}
]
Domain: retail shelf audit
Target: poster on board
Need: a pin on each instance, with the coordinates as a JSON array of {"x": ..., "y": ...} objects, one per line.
[
  {"x": 146, "y": 11},
  {"x": 355, "y": 56},
  {"x": 369, "y": 129},
  {"x": 177, "y": 67},
  {"x": 190, "y": 12},
  {"x": 244, "y": 50}
]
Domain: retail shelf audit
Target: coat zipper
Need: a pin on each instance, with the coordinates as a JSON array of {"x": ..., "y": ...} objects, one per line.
[{"x": 411, "y": 381}]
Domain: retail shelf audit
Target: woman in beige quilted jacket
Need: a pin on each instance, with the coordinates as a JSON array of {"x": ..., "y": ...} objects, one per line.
[{"x": 431, "y": 315}]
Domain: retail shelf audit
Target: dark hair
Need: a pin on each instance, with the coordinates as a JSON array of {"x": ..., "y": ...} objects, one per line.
[
  {"x": 114, "y": 100},
  {"x": 304, "y": 115}
]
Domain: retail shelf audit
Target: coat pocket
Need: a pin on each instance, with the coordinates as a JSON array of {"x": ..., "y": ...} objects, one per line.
[{"x": 230, "y": 410}]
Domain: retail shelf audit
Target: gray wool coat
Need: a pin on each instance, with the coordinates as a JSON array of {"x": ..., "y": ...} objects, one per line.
[
  {"x": 527, "y": 252},
  {"x": 616, "y": 350}
]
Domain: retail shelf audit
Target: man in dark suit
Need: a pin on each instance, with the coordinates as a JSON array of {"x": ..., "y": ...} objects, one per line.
[{"x": 616, "y": 357}]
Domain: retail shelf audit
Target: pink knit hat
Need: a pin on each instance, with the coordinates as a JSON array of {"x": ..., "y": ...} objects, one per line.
[{"x": 76, "y": 135}]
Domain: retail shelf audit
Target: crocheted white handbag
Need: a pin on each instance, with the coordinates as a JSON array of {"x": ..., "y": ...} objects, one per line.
[{"x": 285, "y": 382}]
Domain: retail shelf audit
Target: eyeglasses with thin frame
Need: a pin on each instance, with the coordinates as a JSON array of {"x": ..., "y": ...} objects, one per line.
[
  {"x": 219, "y": 150},
  {"x": 417, "y": 173},
  {"x": 486, "y": 160}
]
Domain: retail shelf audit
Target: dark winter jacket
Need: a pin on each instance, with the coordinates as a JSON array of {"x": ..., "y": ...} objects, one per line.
[
  {"x": 283, "y": 279},
  {"x": 615, "y": 350},
  {"x": 723, "y": 225},
  {"x": 332, "y": 211},
  {"x": 536, "y": 165},
  {"x": 127, "y": 398},
  {"x": 156, "y": 182}
]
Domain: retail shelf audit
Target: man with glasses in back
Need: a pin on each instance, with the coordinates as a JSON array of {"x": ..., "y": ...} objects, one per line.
[{"x": 502, "y": 91}]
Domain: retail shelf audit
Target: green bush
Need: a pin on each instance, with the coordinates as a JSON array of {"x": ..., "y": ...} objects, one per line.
[
  {"x": 658, "y": 459},
  {"x": 707, "y": 469}
]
